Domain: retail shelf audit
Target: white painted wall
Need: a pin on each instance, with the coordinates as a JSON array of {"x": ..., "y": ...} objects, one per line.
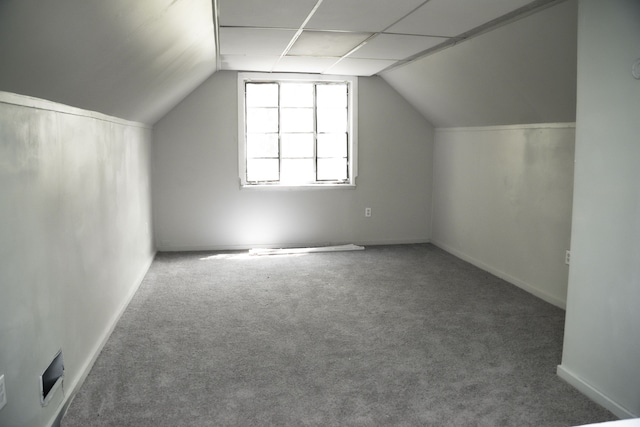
[
  {"x": 75, "y": 241},
  {"x": 601, "y": 355},
  {"x": 522, "y": 72},
  {"x": 198, "y": 203},
  {"x": 502, "y": 201}
]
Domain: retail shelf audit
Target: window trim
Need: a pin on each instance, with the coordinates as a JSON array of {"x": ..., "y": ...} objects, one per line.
[{"x": 352, "y": 81}]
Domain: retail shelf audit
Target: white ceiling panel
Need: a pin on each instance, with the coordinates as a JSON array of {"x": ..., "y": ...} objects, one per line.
[
  {"x": 304, "y": 64},
  {"x": 248, "y": 63},
  {"x": 360, "y": 15},
  {"x": 359, "y": 67},
  {"x": 395, "y": 46},
  {"x": 254, "y": 41},
  {"x": 261, "y": 13},
  {"x": 382, "y": 32},
  {"x": 453, "y": 17},
  {"x": 326, "y": 43}
]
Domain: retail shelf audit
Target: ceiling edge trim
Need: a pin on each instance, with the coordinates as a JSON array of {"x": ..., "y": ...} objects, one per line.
[
  {"x": 10, "y": 98},
  {"x": 490, "y": 128}
]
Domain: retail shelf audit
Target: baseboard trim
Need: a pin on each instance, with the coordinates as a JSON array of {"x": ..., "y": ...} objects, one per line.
[
  {"x": 593, "y": 393},
  {"x": 86, "y": 368},
  {"x": 504, "y": 276}
]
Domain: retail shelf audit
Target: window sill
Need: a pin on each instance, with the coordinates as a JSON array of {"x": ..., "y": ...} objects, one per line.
[{"x": 304, "y": 187}]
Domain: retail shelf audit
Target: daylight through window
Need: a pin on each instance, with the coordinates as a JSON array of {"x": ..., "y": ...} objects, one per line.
[{"x": 296, "y": 132}]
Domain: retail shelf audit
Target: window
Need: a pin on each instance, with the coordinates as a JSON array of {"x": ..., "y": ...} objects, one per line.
[{"x": 296, "y": 130}]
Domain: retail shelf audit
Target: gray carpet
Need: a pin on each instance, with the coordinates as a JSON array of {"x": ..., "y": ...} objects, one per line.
[{"x": 394, "y": 335}]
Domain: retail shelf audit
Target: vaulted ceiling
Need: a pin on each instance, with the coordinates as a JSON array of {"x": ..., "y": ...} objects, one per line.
[{"x": 459, "y": 62}]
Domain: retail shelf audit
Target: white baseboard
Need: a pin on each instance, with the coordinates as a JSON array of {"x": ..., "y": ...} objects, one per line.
[
  {"x": 593, "y": 393},
  {"x": 504, "y": 276},
  {"x": 86, "y": 368}
]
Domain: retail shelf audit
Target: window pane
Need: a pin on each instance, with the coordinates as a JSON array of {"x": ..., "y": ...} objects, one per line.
[
  {"x": 297, "y": 171},
  {"x": 332, "y": 119},
  {"x": 262, "y": 169},
  {"x": 295, "y": 130},
  {"x": 262, "y": 145},
  {"x": 297, "y": 120},
  {"x": 332, "y": 145},
  {"x": 262, "y": 120},
  {"x": 297, "y": 145},
  {"x": 262, "y": 94},
  {"x": 332, "y": 95},
  {"x": 332, "y": 169},
  {"x": 296, "y": 94}
]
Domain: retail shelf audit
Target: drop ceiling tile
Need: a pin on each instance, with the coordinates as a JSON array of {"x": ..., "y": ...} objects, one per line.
[
  {"x": 451, "y": 18},
  {"x": 304, "y": 64},
  {"x": 326, "y": 43},
  {"x": 248, "y": 63},
  {"x": 359, "y": 67},
  {"x": 360, "y": 15},
  {"x": 258, "y": 41},
  {"x": 261, "y": 13},
  {"x": 395, "y": 46}
]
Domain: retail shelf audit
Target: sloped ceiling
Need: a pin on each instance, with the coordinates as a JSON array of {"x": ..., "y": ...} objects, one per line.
[
  {"x": 522, "y": 72},
  {"x": 138, "y": 59},
  {"x": 130, "y": 59}
]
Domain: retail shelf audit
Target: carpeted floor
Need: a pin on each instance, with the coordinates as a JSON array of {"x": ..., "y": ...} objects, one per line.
[{"x": 393, "y": 335}]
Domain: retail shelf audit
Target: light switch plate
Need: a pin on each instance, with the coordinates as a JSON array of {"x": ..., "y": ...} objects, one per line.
[{"x": 3, "y": 393}]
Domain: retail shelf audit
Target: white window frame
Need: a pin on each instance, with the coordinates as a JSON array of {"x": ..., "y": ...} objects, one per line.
[{"x": 352, "y": 81}]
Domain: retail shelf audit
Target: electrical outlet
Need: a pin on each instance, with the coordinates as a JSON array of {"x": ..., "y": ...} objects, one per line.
[
  {"x": 367, "y": 212},
  {"x": 3, "y": 393},
  {"x": 567, "y": 257}
]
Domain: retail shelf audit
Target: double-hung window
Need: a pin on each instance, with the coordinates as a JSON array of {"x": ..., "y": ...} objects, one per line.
[{"x": 296, "y": 130}]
